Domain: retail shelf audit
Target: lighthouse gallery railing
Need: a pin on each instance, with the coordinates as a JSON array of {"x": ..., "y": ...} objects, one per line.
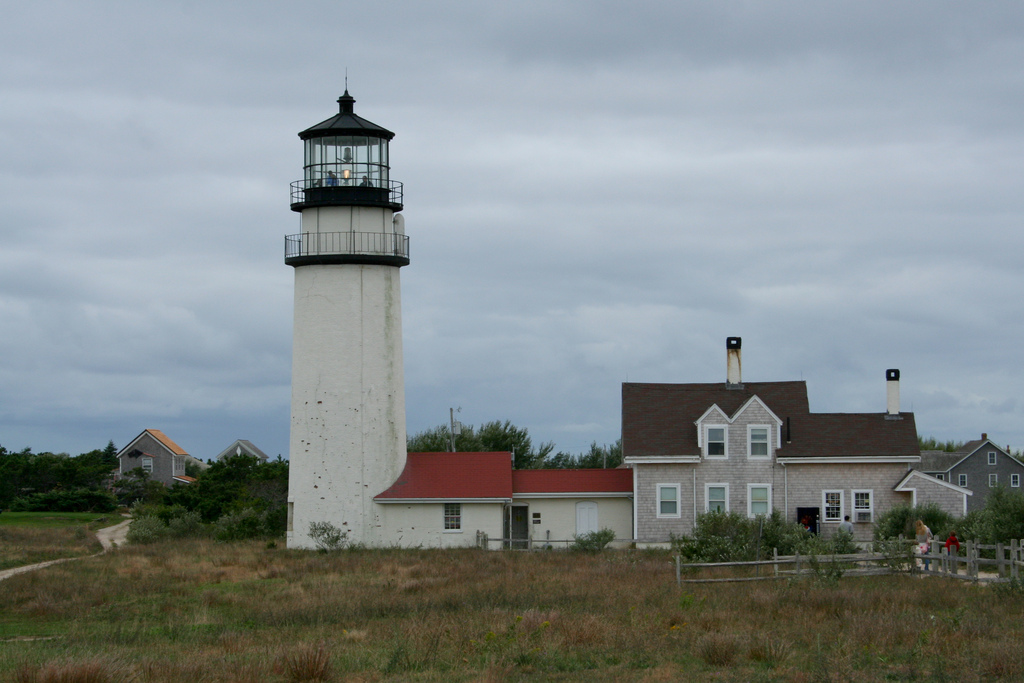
[{"x": 310, "y": 244}]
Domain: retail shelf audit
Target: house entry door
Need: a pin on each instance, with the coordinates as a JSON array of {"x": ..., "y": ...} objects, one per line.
[
  {"x": 809, "y": 517},
  {"x": 517, "y": 526},
  {"x": 586, "y": 517}
]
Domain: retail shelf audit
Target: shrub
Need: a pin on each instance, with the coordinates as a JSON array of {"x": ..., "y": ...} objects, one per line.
[
  {"x": 147, "y": 529},
  {"x": 593, "y": 541},
  {"x": 69, "y": 500},
  {"x": 246, "y": 523},
  {"x": 327, "y": 537},
  {"x": 899, "y": 521}
]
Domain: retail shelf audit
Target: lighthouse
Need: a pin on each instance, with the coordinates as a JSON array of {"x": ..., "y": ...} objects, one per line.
[{"x": 347, "y": 441}]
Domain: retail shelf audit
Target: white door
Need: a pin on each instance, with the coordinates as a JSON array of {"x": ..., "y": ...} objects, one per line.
[{"x": 586, "y": 518}]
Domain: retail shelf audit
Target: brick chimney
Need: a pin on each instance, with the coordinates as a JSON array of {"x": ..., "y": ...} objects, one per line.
[
  {"x": 733, "y": 367},
  {"x": 892, "y": 391}
]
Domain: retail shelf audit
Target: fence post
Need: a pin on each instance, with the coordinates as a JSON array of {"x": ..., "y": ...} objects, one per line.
[
  {"x": 679, "y": 574},
  {"x": 954, "y": 559},
  {"x": 798, "y": 562},
  {"x": 1015, "y": 554},
  {"x": 999, "y": 560},
  {"x": 775, "y": 556}
]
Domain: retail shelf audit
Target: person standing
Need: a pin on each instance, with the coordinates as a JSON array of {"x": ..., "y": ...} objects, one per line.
[
  {"x": 924, "y": 542},
  {"x": 846, "y": 525}
]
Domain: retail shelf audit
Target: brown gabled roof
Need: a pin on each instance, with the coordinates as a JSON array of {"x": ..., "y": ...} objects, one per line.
[
  {"x": 659, "y": 419},
  {"x": 851, "y": 435},
  {"x": 166, "y": 441}
]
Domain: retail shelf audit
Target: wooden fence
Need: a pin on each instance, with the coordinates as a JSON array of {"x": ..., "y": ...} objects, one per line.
[{"x": 1005, "y": 565}]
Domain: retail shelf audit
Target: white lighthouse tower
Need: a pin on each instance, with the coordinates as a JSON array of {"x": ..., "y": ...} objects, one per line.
[{"x": 348, "y": 392}]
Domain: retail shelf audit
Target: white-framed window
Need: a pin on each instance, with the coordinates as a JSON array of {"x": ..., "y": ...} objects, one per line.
[
  {"x": 940, "y": 476},
  {"x": 668, "y": 500},
  {"x": 832, "y": 506},
  {"x": 453, "y": 516},
  {"x": 991, "y": 457},
  {"x": 716, "y": 497},
  {"x": 962, "y": 480},
  {"x": 757, "y": 441},
  {"x": 147, "y": 465},
  {"x": 716, "y": 439},
  {"x": 1015, "y": 481},
  {"x": 863, "y": 506},
  {"x": 993, "y": 480},
  {"x": 759, "y": 499}
]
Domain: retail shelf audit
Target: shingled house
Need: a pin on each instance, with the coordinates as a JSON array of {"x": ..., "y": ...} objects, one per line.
[
  {"x": 751, "y": 447},
  {"x": 979, "y": 465},
  {"x": 162, "y": 459}
]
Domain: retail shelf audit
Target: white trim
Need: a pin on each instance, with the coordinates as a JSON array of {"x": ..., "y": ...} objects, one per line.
[
  {"x": 825, "y": 519},
  {"x": 993, "y": 479},
  {"x": 403, "y": 501},
  {"x": 961, "y": 478},
  {"x": 767, "y": 441},
  {"x": 850, "y": 460},
  {"x": 902, "y": 486},
  {"x": 707, "y": 495},
  {"x": 678, "y": 501},
  {"x": 750, "y": 499},
  {"x": 636, "y": 522},
  {"x": 725, "y": 441},
  {"x": 576, "y": 494},
  {"x": 457, "y": 517},
  {"x": 1015, "y": 481},
  {"x": 855, "y": 511},
  {"x": 992, "y": 459},
  {"x": 663, "y": 460}
]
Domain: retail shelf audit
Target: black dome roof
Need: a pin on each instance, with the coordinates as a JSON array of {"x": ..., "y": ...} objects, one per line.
[{"x": 346, "y": 123}]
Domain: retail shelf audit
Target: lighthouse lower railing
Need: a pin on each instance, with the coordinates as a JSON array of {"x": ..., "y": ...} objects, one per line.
[{"x": 386, "y": 248}]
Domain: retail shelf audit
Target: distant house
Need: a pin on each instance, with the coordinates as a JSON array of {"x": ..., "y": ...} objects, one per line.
[
  {"x": 162, "y": 459},
  {"x": 457, "y": 499},
  {"x": 979, "y": 465},
  {"x": 243, "y": 447},
  {"x": 756, "y": 446}
]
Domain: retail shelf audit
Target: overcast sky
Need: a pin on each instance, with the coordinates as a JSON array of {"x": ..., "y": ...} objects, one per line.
[{"x": 594, "y": 192}]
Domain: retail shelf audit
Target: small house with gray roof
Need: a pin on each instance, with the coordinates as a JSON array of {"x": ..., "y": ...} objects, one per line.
[{"x": 751, "y": 447}]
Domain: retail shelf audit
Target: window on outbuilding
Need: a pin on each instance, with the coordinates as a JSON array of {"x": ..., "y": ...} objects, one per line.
[
  {"x": 453, "y": 516},
  {"x": 962, "y": 480}
]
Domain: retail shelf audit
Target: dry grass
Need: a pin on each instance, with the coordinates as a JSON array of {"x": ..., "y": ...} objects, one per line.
[
  {"x": 22, "y": 545},
  {"x": 242, "y": 612}
]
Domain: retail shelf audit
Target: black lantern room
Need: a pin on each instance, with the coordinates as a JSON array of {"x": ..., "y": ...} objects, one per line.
[{"x": 346, "y": 163}]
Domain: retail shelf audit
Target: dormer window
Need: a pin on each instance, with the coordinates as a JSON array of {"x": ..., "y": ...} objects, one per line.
[
  {"x": 757, "y": 441},
  {"x": 714, "y": 442}
]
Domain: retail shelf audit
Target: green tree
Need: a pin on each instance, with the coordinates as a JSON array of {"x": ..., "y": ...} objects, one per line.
[
  {"x": 491, "y": 436},
  {"x": 608, "y": 455}
]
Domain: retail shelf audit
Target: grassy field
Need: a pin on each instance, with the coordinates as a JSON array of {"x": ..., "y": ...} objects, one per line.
[
  {"x": 30, "y": 537},
  {"x": 198, "y": 610}
]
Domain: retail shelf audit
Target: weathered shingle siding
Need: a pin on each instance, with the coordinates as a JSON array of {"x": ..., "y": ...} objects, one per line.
[
  {"x": 936, "y": 494},
  {"x": 163, "y": 460},
  {"x": 807, "y": 482},
  {"x": 977, "y": 469}
]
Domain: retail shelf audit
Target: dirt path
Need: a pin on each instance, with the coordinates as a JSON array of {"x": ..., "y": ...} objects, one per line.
[{"x": 109, "y": 537}]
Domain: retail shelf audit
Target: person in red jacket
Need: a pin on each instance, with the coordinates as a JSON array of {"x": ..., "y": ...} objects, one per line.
[{"x": 952, "y": 542}]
